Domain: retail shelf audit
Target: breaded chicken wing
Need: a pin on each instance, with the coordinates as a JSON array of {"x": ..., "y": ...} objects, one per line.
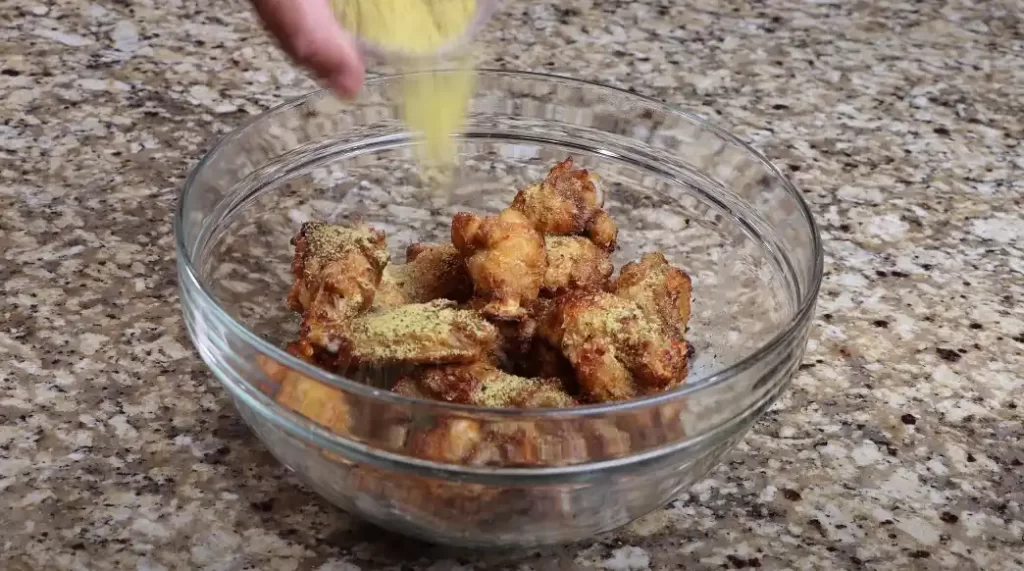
[
  {"x": 435, "y": 333},
  {"x": 616, "y": 349},
  {"x": 506, "y": 260},
  {"x": 567, "y": 203},
  {"x": 450, "y": 440},
  {"x": 575, "y": 262},
  {"x": 443, "y": 501},
  {"x": 515, "y": 339},
  {"x": 337, "y": 271},
  {"x": 431, "y": 271},
  {"x": 659, "y": 289},
  {"x": 323, "y": 404},
  {"x": 483, "y": 384}
]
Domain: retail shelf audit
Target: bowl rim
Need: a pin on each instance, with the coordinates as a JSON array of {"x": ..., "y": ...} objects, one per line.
[{"x": 804, "y": 310}]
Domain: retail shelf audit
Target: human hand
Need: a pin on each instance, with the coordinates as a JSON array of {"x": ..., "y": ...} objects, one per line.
[{"x": 308, "y": 31}]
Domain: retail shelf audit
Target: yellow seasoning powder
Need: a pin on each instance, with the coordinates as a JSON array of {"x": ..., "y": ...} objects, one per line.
[{"x": 434, "y": 104}]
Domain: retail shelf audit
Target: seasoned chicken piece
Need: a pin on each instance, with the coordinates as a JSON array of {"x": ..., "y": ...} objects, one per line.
[
  {"x": 483, "y": 384},
  {"x": 323, "y": 404},
  {"x": 616, "y": 349},
  {"x": 422, "y": 333},
  {"x": 505, "y": 258},
  {"x": 450, "y": 440},
  {"x": 567, "y": 203},
  {"x": 501, "y": 443},
  {"x": 431, "y": 271},
  {"x": 655, "y": 427},
  {"x": 448, "y": 502},
  {"x": 337, "y": 271},
  {"x": 515, "y": 340},
  {"x": 575, "y": 262},
  {"x": 659, "y": 288}
]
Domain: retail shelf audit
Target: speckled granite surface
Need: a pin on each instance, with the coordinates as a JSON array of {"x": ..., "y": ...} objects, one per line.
[{"x": 899, "y": 445}]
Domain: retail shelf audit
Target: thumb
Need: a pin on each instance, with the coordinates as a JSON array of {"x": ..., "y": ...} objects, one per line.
[{"x": 308, "y": 31}]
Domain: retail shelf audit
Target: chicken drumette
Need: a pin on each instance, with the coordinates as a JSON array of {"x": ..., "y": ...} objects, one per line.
[
  {"x": 506, "y": 260},
  {"x": 567, "y": 203},
  {"x": 659, "y": 289}
]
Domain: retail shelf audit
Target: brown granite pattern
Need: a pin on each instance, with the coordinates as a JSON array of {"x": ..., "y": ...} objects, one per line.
[{"x": 899, "y": 445}]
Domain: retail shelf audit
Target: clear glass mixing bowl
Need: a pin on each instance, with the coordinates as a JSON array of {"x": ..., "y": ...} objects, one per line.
[{"x": 673, "y": 183}]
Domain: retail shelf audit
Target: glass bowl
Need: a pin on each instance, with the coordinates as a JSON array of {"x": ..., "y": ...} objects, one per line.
[{"x": 673, "y": 182}]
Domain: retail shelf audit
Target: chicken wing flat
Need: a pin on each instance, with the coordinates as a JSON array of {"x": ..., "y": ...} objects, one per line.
[
  {"x": 567, "y": 203},
  {"x": 435, "y": 333},
  {"x": 483, "y": 384},
  {"x": 337, "y": 271},
  {"x": 617, "y": 350},
  {"x": 575, "y": 262},
  {"x": 431, "y": 271},
  {"x": 659, "y": 289},
  {"x": 506, "y": 260}
]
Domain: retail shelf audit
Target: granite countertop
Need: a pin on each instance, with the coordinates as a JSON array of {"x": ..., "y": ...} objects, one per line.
[{"x": 899, "y": 445}]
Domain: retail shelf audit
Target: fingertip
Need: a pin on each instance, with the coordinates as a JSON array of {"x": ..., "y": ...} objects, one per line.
[
  {"x": 346, "y": 83},
  {"x": 309, "y": 32}
]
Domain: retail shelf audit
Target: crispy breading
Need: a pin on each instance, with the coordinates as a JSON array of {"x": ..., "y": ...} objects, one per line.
[
  {"x": 567, "y": 203},
  {"x": 574, "y": 262},
  {"x": 616, "y": 349},
  {"x": 483, "y": 384},
  {"x": 659, "y": 288},
  {"x": 506, "y": 260}
]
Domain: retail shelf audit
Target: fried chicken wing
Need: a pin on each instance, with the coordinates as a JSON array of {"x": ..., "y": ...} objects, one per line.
[
  {"x": 323, "y": 404},
  {"x": 515, "y": 340},
  {"x": 337, "y": 271},
  {"x": 436, "y": 333},
  {"x": 431, "y": 271},
  {"x": 483, "y": 384},
  {"x": 659, "y": 289},
  {"x": 616, "y": 349},
  {"x": 575, "y": 262},
  {"x": 390, "y": 293},
  {"x": 506, "y": 260},
  {"x": 450, "y": 440},
  {"x": 567, "y": 203}
]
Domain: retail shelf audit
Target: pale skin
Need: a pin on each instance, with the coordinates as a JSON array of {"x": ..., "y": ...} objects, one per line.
[{"x": 308, "y": 32}]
